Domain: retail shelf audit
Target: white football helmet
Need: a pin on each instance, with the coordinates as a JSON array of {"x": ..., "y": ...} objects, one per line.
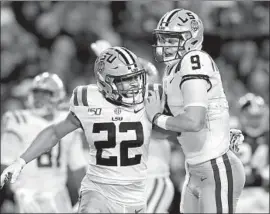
[
  {"x": 53, "y": 91},
  {"x": 178, "y": 32},
  {"x": 253, "y": 113},
  {"x": 113, "y": 68}
]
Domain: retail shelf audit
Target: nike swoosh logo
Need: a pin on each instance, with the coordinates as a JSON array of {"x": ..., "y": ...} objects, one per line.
[
  {"x": 136, "y": 111},
  {"x": 137, "y": 211},
  {"x": 202, "y": 179}
]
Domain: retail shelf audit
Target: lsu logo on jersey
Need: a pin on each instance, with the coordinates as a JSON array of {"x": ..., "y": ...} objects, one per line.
[
  {"x": 117, "y": 118},
  {"x": 117, "y": 113}
]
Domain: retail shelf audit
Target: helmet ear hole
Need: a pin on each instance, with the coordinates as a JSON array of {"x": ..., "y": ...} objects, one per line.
[{"x": 194, "y": 42}]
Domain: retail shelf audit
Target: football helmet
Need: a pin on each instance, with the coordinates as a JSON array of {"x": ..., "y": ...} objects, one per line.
[
  {"x": 178, "y": 32},
  {"x": 120, "y": 76},
  {"x": 47, "y": 91},
  {"x": 253, "y": 114}
]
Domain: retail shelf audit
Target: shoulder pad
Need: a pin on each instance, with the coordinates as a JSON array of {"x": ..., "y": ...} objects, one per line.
[
  {"x": 196, "y": 62},
  {"x": 80, "y": 96},
  {"x": 17, "y": 117}
]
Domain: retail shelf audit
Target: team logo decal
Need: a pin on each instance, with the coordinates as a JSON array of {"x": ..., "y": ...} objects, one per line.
[
  {"x": 100, "y": 66},
  {"x": 117, "y": 111},
  {"x": 194, "y": 25},
  {"x": 135, "y": 70},
  {"x": 94, "y": 111}
]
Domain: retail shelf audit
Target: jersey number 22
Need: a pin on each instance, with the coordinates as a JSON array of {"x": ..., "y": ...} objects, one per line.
[{"x": 124, "y": 145}]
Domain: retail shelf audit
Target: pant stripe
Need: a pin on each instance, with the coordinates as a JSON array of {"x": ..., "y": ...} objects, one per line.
[
  {"x": 230, "y": 181},
  {"x": 161, "y": 195},
  {"x": 218, "y": 185},
  {"x": 153, "y": 191}
]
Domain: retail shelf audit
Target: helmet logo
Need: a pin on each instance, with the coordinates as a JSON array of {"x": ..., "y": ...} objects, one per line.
[
  {"x": 161, "y": 27},
  {"x": 100, "y": 66},
  {"x": 135, "y": 69},
  {"x": 194, "y": 25}
]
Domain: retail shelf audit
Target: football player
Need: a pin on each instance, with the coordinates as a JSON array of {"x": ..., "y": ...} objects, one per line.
[
  {"x": 254, "y": 123},
  {"x": 254, "y": 152},
  {"x": 41, "y": 186},
  {"x": 159, "y": 187},
  {"x": 113, "y": 118},
  {"x": 197, "y": 109}
]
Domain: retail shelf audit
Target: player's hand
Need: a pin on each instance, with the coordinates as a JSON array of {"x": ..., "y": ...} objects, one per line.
[
  {"x": 12, "y": 172},
  {"x": 236, "y": 138},
  {"x": 99, "y": 46},
  {"x": 152, "y": 104}
]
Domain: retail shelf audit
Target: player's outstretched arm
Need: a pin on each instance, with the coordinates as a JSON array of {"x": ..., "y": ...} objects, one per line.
[
  {"x": 192, "y": 119},
  {"x": 45, "y": 140},
  {"x": 49, "y": 137}
]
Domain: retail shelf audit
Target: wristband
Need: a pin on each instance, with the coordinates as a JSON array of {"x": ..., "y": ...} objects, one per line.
[
  {"x": 155, "y": 117},
  {"x": 161, "y": 121}
]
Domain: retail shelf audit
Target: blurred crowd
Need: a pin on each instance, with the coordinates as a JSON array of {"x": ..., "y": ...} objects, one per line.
[{"x": 56, "y": 37}]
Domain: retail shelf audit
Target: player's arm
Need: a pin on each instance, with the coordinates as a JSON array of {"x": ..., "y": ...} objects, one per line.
[
  {"x": 50, "y": 136},
  {"x": 195, "y": 100},
  {"x": 157, "y": 132},
  {"x": 192, "y": 76},
  {"x": 193, "y": 118},
  {"x": 160, "y": 133},
  {"x": 45, "y": 140}
]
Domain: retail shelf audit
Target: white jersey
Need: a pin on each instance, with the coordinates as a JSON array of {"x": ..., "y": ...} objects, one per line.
[
  {"x": 118, "y": 137},
  {"x": 213, "y": 140},
  {"x": 159, "y": 158},
  {"x": 48, "y": 172}
]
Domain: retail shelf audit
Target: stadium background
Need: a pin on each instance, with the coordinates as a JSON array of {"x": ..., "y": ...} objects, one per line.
[{"x": 56, "y": 36}]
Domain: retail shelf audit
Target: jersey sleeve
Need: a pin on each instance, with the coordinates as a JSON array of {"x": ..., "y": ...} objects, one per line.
[
  {"x": 197, "y": 65},
  {"x": 76, "y": 159},
  {"x": 195, "y": 93},
  {"x": 11, "y": 138},
  {"x": 79, "y": 99}
]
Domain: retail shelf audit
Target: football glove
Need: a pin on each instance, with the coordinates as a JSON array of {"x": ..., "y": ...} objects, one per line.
[
  {"x": 236, "y": 139},
  {"x": 11, "y": 173}
]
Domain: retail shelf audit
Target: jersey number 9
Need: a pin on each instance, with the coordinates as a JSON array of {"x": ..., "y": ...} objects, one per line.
[{"x": 195, "y": 61}]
